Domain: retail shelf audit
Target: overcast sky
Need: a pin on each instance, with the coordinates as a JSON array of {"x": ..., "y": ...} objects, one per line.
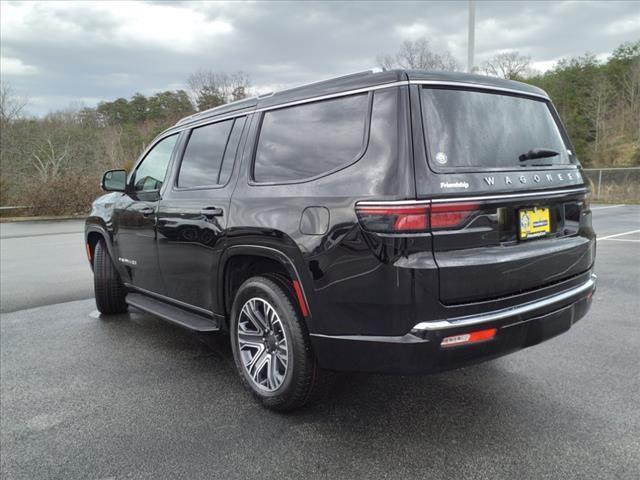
[{"x": 77, "y": 52}]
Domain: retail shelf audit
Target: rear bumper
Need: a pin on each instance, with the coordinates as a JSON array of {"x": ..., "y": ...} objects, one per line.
[{"x": 419, "y": 351}]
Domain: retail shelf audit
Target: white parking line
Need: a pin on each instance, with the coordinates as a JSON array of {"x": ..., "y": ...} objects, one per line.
[
  {"x": 622, "y": 240},
  {"x": 618, "y": 235},
  {"x": 608, "y": 206}
]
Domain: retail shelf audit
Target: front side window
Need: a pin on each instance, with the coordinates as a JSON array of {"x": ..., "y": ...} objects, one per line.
[
  {"x": 483, "y": 130},
  {"x": 150, "y": 174},
  {"x": 305, "y": 141}
]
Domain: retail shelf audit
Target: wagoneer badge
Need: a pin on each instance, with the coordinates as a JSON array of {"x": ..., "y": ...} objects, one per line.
[{"x": 536, "y": 178}]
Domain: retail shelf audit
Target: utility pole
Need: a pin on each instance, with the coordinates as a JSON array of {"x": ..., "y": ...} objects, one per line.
[{"x": 472, "y": 35}]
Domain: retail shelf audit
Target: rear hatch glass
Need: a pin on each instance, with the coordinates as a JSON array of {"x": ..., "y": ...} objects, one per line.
[{"x": 474, "y": 131}]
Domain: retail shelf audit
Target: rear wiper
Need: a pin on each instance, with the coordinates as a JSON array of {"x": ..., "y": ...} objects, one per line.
[{"x": 538, "y": 153}]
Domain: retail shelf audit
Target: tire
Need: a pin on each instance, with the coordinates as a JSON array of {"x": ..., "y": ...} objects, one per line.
[
  {"x": 288, "y": 388},
  {"x": 110, "y": 292}
]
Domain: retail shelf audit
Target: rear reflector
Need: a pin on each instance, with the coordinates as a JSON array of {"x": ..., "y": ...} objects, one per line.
[
  {"x": 300, "y": 297},
  {"x": 89, "y": 254},
  {"x": 467, "y": 338}
]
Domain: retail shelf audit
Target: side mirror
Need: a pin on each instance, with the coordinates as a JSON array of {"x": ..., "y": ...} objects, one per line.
[{"x": 114, "y": 181}]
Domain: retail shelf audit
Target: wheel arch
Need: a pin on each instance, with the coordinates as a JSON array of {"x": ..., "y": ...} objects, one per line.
[
  {"x": 93, "y": 234},
  {"x": 240, "y": 262}
]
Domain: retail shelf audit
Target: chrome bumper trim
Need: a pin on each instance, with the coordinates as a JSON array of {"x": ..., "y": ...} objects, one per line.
[{"x": 501, "y": 314}]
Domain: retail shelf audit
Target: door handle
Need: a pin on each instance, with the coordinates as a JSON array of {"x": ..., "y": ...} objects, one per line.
[
  {"x": 146, "y": 211},
  {"x": 211, "y": 212}
]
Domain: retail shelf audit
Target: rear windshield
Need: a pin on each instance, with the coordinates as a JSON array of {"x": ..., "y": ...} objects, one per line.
[{"x": 473, "y": 130}]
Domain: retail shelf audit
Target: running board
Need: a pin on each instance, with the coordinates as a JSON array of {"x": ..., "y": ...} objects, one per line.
[{"x": 177, "y": 315}]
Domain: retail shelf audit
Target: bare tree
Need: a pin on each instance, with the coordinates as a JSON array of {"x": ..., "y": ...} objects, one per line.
[
  {"x": 509, "y": 65},
  {"x": 11, "y": 105},
  {"x": 111, "y": 140},
  {"x": 418, "y": 55},
  {"x": 210, "y": 89},
  {"x": 48, "y": 159},
  {"x": 631, "y": 95},
  {"x": 386, "y": 62},
  {"x": 597, "y": 106}
]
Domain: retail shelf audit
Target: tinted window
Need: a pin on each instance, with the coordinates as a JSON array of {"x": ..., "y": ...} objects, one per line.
[
  {"x": 232, "y": 149},
  {"x": 469, "y": 129},
  {"x": 203, "y": 156},
  {"x": 307, "y": 140},
  {"x": 150, "y": 173}
]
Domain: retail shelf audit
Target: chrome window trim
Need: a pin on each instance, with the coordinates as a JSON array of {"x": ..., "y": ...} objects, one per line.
[
  {"x": 541, "y": 193},
  {"x": 506, "y": 313},
  {"x": 180, "y": 127},
  {"x": 333, "y": 95},
  {"x": 478, "y": 87},
  {"x": 208, "y": 121},
  {"x": 497, "y": 196}
]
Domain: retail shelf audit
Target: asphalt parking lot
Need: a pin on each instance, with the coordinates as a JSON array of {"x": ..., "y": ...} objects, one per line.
[{"x": 134, "y": 397}]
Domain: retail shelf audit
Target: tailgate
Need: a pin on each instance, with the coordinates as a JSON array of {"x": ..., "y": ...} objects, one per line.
[{"x": 486, "y": 255}]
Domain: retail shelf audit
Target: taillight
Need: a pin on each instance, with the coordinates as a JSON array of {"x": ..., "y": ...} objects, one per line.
[
  {"x": 413, "y": 217},
  {"x": 385, "y": 218},
  {"x": 451, "y": 215}
]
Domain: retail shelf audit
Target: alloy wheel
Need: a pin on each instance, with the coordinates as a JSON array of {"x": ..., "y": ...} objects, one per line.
[{"x": 262, "y": 343}]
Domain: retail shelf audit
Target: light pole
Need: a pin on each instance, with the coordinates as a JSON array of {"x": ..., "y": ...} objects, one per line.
[{"x": 472, "y": 35}]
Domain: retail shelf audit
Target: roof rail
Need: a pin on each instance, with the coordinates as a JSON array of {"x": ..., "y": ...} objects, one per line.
[
  {"x": 212, "y": 110},
  {"x": 228, "y": 107},
  {"x": 354, "y": 74}
]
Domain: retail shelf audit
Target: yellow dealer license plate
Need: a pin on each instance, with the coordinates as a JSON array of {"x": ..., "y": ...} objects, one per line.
[{"x": 534, "y": 222}]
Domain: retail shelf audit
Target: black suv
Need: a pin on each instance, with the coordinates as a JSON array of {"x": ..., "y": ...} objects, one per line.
[{"x": 396, "y": 222}]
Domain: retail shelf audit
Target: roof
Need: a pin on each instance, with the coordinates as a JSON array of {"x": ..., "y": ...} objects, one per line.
[
  {"x": 362, "y": 80},
  {"x": 473, "y": 79}
]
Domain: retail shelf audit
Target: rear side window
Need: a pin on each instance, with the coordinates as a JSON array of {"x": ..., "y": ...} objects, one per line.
[
  {"x": 305, "y": 141},
  {"x": 209, "y": 155},
  {"x": 480, "y": 130}
]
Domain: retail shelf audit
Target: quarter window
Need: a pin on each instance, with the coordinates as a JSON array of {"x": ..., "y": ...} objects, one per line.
[
  {"x": 232, "y": 150},
  {"x": 151, "y": 172},
  {"x": 305, "y": 141}
]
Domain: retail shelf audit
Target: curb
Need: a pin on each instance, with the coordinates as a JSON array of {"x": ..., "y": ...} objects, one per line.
[{"x": 41, "y": 219}]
